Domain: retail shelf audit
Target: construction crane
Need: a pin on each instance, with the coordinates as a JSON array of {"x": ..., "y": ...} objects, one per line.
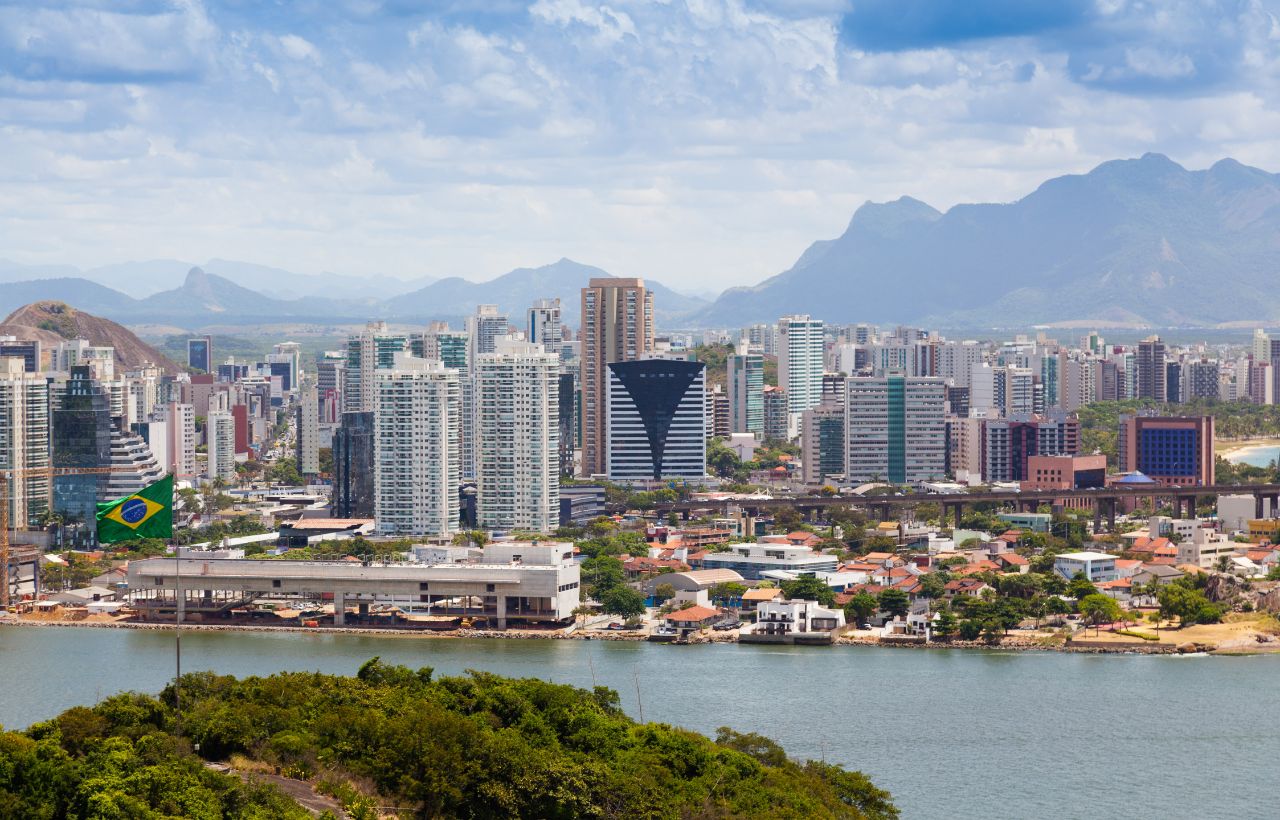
[{"x": 23, "y": 474}]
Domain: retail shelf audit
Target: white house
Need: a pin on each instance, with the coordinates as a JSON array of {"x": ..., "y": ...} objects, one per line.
[{"x": 792, "y": 617}]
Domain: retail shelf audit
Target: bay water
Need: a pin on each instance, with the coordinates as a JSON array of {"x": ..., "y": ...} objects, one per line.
[{"x": 952, "y": 733}]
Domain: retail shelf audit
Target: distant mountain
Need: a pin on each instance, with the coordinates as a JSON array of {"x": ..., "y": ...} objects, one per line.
[
  {"x": 1141, "y": 241},
  {"x": 515, "y": 291},
  {"x": 51, "y": 322},
  {"x": 84, "y": 294}
]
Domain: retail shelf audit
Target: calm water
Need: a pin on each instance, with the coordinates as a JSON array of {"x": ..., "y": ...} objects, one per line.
[
  {"x": 1257, "y": 456},
  {"x": 951, "y": 733}
]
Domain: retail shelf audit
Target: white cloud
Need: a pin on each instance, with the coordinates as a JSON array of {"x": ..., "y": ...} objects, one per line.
[{"x": 703, "y": 143}]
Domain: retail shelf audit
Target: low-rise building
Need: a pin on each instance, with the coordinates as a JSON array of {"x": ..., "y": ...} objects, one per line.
[
  {"x": 1096, "y": 566},
  {"x": 1205, "y": 549},
  {"x": 751, "y": 560},
  {"x": 789, "y": 619}
]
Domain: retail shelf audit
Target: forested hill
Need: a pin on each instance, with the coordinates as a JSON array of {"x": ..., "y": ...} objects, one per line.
[{"x": 476, "y": 746}]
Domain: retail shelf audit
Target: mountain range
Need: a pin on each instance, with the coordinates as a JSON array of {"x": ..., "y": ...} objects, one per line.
[
  {"x": 1136, "y": 242},
  {"x": 204, "y": 297},
  {"x": 1139, "y": 242}
]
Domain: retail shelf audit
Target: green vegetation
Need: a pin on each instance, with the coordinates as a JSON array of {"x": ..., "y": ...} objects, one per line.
[
  {"x": 808, "y": 588},
  {"x": 475, "y": 746},
  {"x": 1184, "y": 601}
]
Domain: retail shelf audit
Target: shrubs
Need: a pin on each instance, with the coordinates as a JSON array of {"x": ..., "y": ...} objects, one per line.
[{"x": 478, "y": 746}]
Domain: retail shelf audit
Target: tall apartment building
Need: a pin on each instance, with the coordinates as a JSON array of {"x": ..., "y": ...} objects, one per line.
[
  {"x": 745, "y": 385},
  {"x": 485, "y": 327},
  {"x": 617, "y": 326},
  {"x": 353, "y": 466},
  {"x": 1015, "y": 390},
  {"x": 543, "y": 325},
  {"x": 417, "y": 456},
  {"x": 24, "y": 439},
  {"x": 372, "y": 349},
  {"x": 329, "y": 386},
  {"x": 955, "y": 361},
  {"x": 777, "y": 417},
  {"x": 1200, "y": 380},
  {"x": 822, "y": 443},
  {"x": 656, "y": 422},
  {"x": 1150, "y": 366},
  {"x": 220, "y": 444},
  {"x": 1170, "y": 449},
  {"x": 518, "y": 437},
  {"x": 308, "y": 441},
  {"x": 180, "y": 439},
  {"x": 1008, "y": 443},
  {"x": 26, "y": 349},
  {"x": 762, "y": 338},
  {"x": 800, "y": 363},
  {"x": 895, "y": 429}
]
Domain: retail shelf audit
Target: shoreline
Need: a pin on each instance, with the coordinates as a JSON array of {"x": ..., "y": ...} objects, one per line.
[
  {"x": 1084, "y": 646},
  {"x": 1233, "y": 449}
]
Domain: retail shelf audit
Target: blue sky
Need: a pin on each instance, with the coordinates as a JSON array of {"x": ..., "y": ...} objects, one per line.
[{"x": 704, "y": 143}]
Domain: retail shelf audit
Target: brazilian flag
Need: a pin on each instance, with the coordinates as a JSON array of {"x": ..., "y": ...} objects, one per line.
[{"x": 147, "y": 513}]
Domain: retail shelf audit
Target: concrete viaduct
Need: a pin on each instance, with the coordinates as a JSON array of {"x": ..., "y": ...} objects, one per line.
[{"x": 1104, "y": 501}]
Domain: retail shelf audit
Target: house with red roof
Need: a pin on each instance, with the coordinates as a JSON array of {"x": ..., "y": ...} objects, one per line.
[{"x": 966, "y": 586}]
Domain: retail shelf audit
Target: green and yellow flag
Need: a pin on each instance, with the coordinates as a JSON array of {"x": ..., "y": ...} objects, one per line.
[{"x": 147, "y": 513}]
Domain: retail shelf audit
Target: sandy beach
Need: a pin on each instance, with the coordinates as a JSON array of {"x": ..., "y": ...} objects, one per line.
[{"x": 1236, "y": 448}]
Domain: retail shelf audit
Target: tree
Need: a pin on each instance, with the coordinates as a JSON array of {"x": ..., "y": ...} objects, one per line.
[
  {"x": 933, "y": 585},
  {"x": 664, "y": 592},
  {"x": 601, "y": 574},
  {"x": 1018, "y": 585},
  {"x": 1187, "y": 603},
  {"x": 622, "y": 600},
  {"x": 1097, "y": 608},
  {"x": 1080, "y": 587},
  {"x": 970, "y": 629},
  {"x": 946, "y": 625},
  {"x": 726, "y": 591},
  {"x": 808, "y": 588},
  {"x": 894, "y": 602},
  {"x": 860, "y": 608}
]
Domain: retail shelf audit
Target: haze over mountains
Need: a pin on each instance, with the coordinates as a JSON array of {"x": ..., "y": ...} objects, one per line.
[{"x": 1135, "y": 242}]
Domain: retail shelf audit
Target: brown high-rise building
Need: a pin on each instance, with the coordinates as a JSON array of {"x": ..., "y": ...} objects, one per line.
[
  {"x": 1151, "y": 369},
  {"x": 617, "y": 326}
]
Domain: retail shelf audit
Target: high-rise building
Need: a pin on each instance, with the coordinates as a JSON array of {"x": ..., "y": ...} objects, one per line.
[
  {"x": 417, "y": 471},
  {"x": 372, "y": 349},
  {"x": 1151, "y": 369},
  {"x": 656, "y": 420},
  {"x": 81, "y": 437},
  {"x": 200, "y": 354},
  {"x": 353, "y": 466},
  {"x": 518, "y": 437},
  {"x": 179, "y": 445},
  {"x": 543, "y": 326},
  {"x": 822, "y": 442},
  {"x": 329, "y": 386},
  {"x": 308, "y": 441},
  {"x": 800, "y": 363},
  {"x": 1008, "y": 443},
  {"x": 567, "y": 417},
  {"x": 745, "y": 383},
  {"x": 1173, "y": 382},
  {"x": 26, "y": 349},
  {"x": 133, "y": 466},
  {"x": 1200, "y": 380},
  {"x": 1170, "y": 449},
  {"x": 617, "y": 326},
  {"x": 486, "y": 326},
  {"x": 220, "y": 444},
  {"x": 776, "y": 415},
  {"x": 293, "y": 352},
  {"x": 24, "y": 439},
  {"x": 895, "y": 429}
]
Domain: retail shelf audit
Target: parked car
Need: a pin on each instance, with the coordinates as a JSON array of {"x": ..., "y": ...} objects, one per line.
[
  {"x": 665, "y": 630},
  {"x": 727, "y": 625},
  {"x": 616, "y": 625}
]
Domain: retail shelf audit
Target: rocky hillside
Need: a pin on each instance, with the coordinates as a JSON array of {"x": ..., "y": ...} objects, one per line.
[{"x": 53, "y": 322}]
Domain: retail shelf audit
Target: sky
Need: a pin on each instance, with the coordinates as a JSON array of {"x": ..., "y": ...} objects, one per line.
[{"x": 703, "y": 143}]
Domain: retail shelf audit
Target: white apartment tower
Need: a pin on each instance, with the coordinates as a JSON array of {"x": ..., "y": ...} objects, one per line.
[
  {"x": 368, "y": 351},
  {"x": 800, "y": 363},
  {"x": 24, "y": 439},
  {"x": 417, "y": 423},
  {"x": 308, "y": 443},
  {"x": 745, "y": 384},
  {"x": 517, "y": 437},
  {"x": 544, "y": 325},
  {"x": 220, "y": 430}
]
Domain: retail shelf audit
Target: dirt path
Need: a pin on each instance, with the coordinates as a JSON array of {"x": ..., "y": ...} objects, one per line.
[{"x": 300, "y": 791}]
